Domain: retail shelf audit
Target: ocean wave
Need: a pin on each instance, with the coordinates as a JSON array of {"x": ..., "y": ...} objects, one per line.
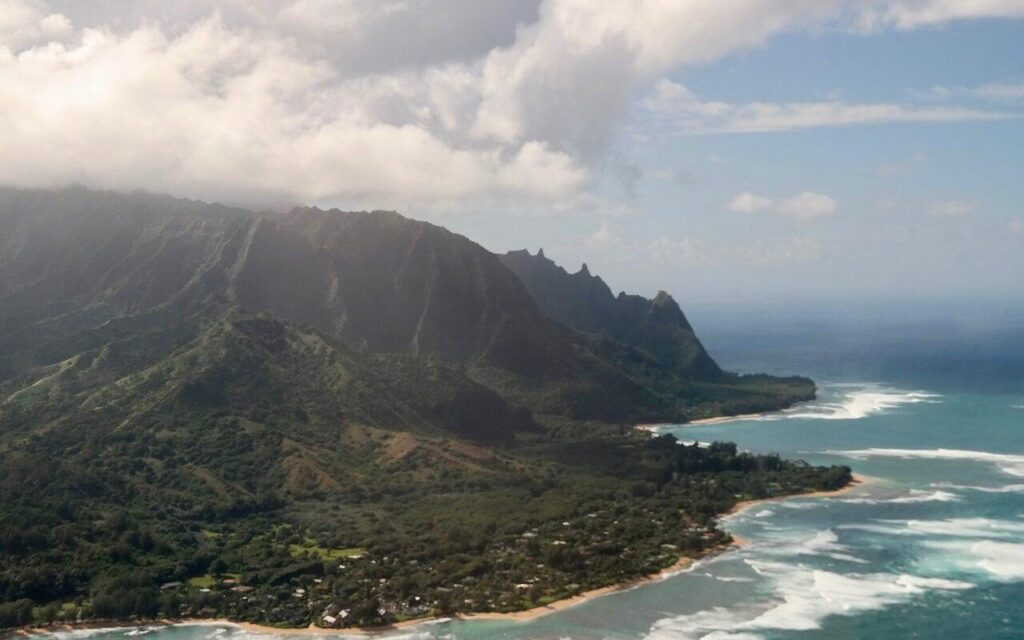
[
  {"x": 915, "y": 496},
  {"x": 985, "y": 528},
  {"x": 729, "y": 578},
  {"x": 1001, "y": 561},
  {"x": 862, "y": 401},
  {"x": 1007, "y": 463},
  {"x": 801, "y": 505},
  {"x": 1006, "y": 488},
  {"x": 825, "y": 543},
  {"x": 801, "y": 599}
]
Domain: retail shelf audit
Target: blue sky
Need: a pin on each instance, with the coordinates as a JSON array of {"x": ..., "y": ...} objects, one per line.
[
  {"x": 925, "y": 211},
  {"x": 733, "y": 153}
]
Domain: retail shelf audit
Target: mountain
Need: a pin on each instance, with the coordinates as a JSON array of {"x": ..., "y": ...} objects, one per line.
[
  {"x": 584, "y": 302},
  {"x": 370, "y": 409},
  {"x": 79, "y": 268}
]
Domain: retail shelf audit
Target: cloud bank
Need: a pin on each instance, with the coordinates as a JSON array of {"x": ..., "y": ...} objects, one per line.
[{"x": 438, "y": 103}]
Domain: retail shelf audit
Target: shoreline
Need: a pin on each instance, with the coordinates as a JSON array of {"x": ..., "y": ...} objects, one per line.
[
  {"x": 654, "y": 427},
  {"x": 857, "y": 481},
  {"x": 681, "y": 565},
  {"x": 526, "y": 615},
  {"x": 721, "y": 419}
]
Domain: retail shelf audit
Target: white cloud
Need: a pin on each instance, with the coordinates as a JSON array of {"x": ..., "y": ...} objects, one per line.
[
  {"x": 952, "y": 208},
  {"x": 687, "y": 113},
  {"x": 606, "y": 236},
  {"x": 383, "y": 103},
  {"x": 993, "y": 91},
  {"x": 806, "y": 206},
  {"x": 747, "y": 202},
  {"x": 226, "y": 114},
  {"x": 24, "y": 23},
  {"x": 913, "y": 14}
]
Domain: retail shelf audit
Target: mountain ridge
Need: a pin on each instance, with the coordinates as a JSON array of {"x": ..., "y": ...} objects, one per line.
[{"x": 78, "y": 265}]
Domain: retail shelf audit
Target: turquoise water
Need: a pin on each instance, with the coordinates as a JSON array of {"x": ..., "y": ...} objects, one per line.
[{"x": 932, "y": 547}]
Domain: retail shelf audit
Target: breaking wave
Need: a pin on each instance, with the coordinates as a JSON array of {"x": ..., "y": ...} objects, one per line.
[
  {"x": 853, "y": 402},
  {"x": 916, "y": 496},
  {"x": 801, "y": 599},
  {"x": 1007, "y": 463}
]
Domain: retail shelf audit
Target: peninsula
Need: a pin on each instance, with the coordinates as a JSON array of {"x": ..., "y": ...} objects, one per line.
[{"x": 340, "y": 419}]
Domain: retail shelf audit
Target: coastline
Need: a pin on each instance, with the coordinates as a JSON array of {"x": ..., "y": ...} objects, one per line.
[
  {"x": 682, "y": 564},
  {"x": 721, "y": 419},
  {"x": 526, "y": 615},
  {"x": 655, "y": 426},
  {"x": 856, "y": 482}
]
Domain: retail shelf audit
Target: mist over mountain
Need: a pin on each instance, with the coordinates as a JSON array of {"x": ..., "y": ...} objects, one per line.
[{"x": 81, "y": 269}]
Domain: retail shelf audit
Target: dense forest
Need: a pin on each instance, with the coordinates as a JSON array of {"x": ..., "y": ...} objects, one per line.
[{"x": 336, "y": 418}]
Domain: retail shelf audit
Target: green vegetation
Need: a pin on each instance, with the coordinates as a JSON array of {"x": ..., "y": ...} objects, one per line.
[
  {"x": 345, "y": 419},
  {"x": 309, "y": 547}
]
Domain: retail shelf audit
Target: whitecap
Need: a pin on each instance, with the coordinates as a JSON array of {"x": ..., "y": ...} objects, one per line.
[
  {"x": 1007, "y": 463},
  {"x": 914, "y": 497},
  {"x": 801, "y": 505},
  {"x": 801, "y": 600},
  {"x": 1001, "y": 561},
  {"x": 953, "y": 527},
  {"x": 864, "y": 401},
  {"x": 823, "y": 543},
  {"x": 1007, "y": 488},
  {"x": 764, "y": 513}
]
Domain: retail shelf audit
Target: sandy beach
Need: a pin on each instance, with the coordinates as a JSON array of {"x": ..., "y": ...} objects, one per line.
[
  {"x": 721, "y": 419},
  {"x": 520, "y": 616},
  {"x": 857, "y": 482},
  {"x": 655, "y": 427}
]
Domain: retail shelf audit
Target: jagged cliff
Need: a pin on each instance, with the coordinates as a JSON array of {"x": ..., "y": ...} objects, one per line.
[{"x": 584, "y": 302}]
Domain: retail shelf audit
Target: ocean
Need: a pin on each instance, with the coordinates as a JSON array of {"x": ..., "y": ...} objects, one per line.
[{"x": 932, "y": 546}]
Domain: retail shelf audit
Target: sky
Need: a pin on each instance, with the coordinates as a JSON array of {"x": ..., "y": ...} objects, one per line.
[{"x": 733, "y": 153}]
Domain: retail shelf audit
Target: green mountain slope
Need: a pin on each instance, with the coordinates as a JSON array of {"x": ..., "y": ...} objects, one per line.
[
  {"x": 82, "y": 268},
  {"x": 369, "y": 409}
]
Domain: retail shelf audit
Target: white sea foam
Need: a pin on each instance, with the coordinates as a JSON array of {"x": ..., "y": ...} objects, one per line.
[
  {"x": 861, "y": 402},
  {"x": 1002, "y": 561},
  {"x": 1007, "y": 463},
  {"x": 985, "y": 528},
  {"x": 801, "y": 505},
  {"x": 801, "y": 599},
  {"x": 823, "y": 543},
  {"x": 764, "y": 513},
  {"x": 914, "y": 497},
  {"x": 1007, "y": 488}
]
